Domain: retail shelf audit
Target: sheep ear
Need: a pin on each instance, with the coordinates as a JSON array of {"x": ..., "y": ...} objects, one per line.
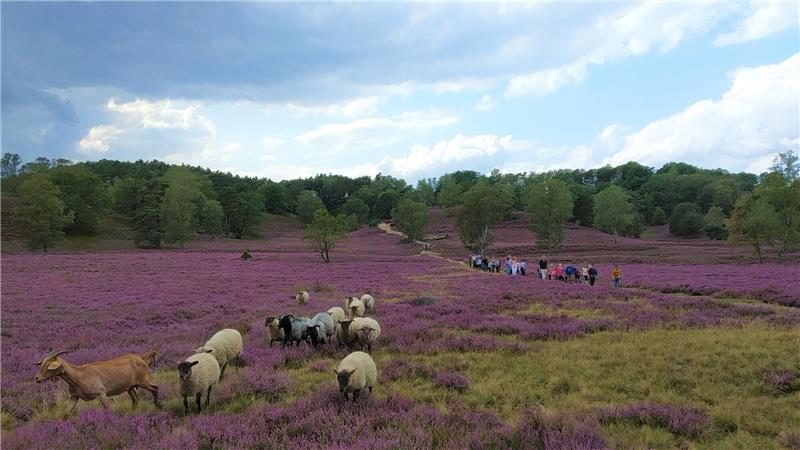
[
  {"x": 194, "y": 363},
  {"x": 209, "y": 350},
  {"x": 336, "y": 371}
]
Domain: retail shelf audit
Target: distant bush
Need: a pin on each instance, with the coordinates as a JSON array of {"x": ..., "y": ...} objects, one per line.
[
  {"x": 686, "y": 220},
  {"x": 659, "y": 216},
  {"x": 451, "y": 380},
  {"x": 246, "y": 255},
  {"x": 423, "y": 301}
]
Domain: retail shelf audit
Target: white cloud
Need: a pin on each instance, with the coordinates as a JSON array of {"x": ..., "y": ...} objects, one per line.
[
  {"x": 459, "y": 149},
  {"x": 270, "y": 142},
  {"x": 99, "y": 138},
  {"x": 292, "y": 171},
  {"x": 630, "y": 32},
  {"x": 485, "y": 103},
  {"x": 163, "y": 114},
  {"x": 757, "y": 114},
  {"x": 374, "y": 131},
  {"x": 205, "y": 152},
  {"x": 563, "y": 157},
  {"x": 767, "y": 18},
  {"x": 353, "y": 108}
]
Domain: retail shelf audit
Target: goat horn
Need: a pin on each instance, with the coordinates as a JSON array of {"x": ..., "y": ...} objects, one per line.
[{"x": 54, "y": 353}]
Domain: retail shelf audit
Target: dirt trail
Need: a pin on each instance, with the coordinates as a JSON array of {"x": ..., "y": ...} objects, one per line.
[{"x": 386, "y": 227}]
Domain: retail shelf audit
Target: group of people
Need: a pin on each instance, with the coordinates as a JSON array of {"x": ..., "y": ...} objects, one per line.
[{"x": 568, "y": 273}]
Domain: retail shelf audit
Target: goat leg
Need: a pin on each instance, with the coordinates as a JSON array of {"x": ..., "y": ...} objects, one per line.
[{"x": 74, "y": 400}]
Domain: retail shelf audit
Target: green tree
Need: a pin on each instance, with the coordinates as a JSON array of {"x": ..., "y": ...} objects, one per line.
[
  {"x": 583, "y": 209},
  {"x": 449, "y": 192},
  {"x": 686, "y": 220},
  {"x": 212, "y": 217},
  {"x": 659, "y": 216},
  {"x": 755, "y": 221},
  {"x": 482, "y": 207},
  {"x": 355, "y": 206},
  {"x": 787, "y": 164},
  {"x": 9, "y": 165},
  {"x": 785, "y": 199},
  {"x": 325, "y": 231},
  {"x": 85, "y": 194},
  {"x": 613, "y": 211},
  {"x": 411, "y": 218},
  {"x": 275, "y": 197},
  {"x": 386, "y": 202},
  {"x": 550, "y": 204},
  {"x": 179, "y": 213},
  {"x": 427, "y": 191},
  {"x": 714, "y": 223},
  {"x": 41, "y": 214},
  {"x": 308, "y": 202}
]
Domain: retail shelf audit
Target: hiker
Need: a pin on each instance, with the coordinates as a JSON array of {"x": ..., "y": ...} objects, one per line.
[
  {"x": 568, "y": 272},
  {"x": 617, "y": 275},
  {"x": 560, "y": 272},
  {"x": 592, "y": 274},
  {"x": 585, "y": 273},
  {"x": 543, "y": 268},
  {"x": 576, "y": 272},
  {"x": 522, "y": 266}
]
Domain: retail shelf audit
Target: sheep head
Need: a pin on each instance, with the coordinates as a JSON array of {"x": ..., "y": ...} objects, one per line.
[
  {"x": 185, "y": 369},
  {"x": 343, "y": 378}
]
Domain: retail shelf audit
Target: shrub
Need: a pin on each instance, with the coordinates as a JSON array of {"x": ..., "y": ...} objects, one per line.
[
  {"x": 451, "y": 380},
  {"x": 686, "y": 220},
  {"x": 423, "y": 301}
]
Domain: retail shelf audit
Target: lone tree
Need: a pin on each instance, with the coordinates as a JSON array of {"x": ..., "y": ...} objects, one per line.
[
  {"x": 550, "y": 204},
  {"x": 411, "y": 218},
  {"x": 325, "y": 231},
  {"x": 482, "y": 207},
  {"x": 613, "y": 211},
  {"x": 41, "y": 214},
  {"x": 755, "y": 221}
]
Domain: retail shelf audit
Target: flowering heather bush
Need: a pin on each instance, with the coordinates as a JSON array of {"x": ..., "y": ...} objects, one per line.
[
  {"x": 451, "y": 380},
  {"x": 540, "y": 431},
  {"x": 681, "y": 420},
  {"x": 783, "y": 381},
  {"x": 790, "y": 440},
  {"x": 397, "y": 369}
]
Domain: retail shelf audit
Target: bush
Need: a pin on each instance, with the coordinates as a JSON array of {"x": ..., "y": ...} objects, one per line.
[
  {"x": 686, "y": 220},
  {"x": 659, "y": 216},
  {"x": 423, "y": 301}
]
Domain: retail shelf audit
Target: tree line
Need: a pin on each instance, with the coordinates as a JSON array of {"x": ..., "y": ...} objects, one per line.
[{"x": 171, "y": 203}]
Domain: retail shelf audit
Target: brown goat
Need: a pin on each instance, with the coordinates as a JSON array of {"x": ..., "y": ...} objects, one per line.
[{"x": 102, "y": 379}]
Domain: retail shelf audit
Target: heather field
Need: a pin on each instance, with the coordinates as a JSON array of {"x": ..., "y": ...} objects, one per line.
[{"x": 698, "y": 349}]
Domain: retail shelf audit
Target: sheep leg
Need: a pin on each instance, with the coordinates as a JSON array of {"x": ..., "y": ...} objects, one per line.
[
  {"x": 74, "y": 400},
  {"x": 370, "y": 391},
  {"x": 208, "y": 396},
  {"x": 185, "y": 406},
  {"x": 104, "y": 401},
  {"x": 222, "y": 371},
  {"x": 356, "y": 393},
  {"x": 197, "y": 398}
]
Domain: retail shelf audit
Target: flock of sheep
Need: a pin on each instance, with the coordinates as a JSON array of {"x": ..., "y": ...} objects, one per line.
[{"x": 200, "y": 372}]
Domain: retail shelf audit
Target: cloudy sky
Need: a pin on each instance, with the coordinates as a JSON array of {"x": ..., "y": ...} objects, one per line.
[{"x": 412, "y": 90}]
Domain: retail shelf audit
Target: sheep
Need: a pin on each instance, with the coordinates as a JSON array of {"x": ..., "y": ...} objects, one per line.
[
  {"x": 368, "y": 332},
  {"x": 337, "y": 314},
  {"x": 226, "y": 345},
  {"x": 320, "y": 328},
  {"x": 198, "y": 373},
  {"x": 356, "y": 371},
  {"x": 301, "y": 297},
  {"x": 294, "y": 329},
  {"x": 346, "y": 333},
  {"x": 347, "y": 301},
  {"x": 368, "y": 301},
  {"x": 356, "y": 308},
  {"x": 274, "y": 331}
]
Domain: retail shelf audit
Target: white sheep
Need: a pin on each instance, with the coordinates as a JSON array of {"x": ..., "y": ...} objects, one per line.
[
  {"x": 368, "y": 301},
  {"x": 320, "y": 328},
  {"x": 346, "y": 333},
  {"x": 356, "y": 372},
  {"x": 356, "y": 308},
  {"x": 226, "y": 345},
  {"x": 337, "y": 314},
  {"x": 368, "y": 331},
  {"x": 198, "y": 373},
  {"x": 274, "y": 331},
  {"x": 301, "y": 297},
  {"x": 347, "y": 301}
]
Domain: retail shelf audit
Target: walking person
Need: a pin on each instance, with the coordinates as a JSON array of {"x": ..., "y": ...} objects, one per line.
[
  {"x": 617, "y": 275},
  {"x": 585, "y": 273},
  {"x": 543, "y": 268},
  {"x": 592, "y": 274},
  {"x": 576, "y": 272}
]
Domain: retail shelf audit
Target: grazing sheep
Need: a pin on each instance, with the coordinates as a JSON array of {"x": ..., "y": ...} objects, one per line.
[
  {"x": 356, "y": 372},
  {"x": 347, "y": 333},
  {"x": 226, "y": 345},
  {"x": 301, "y": 297},
  {"x": 368, "y": 332},
  {"x": 356, "y": 308},
  {"x": 320, "y": 328},
  {"x": 337, "y": 314},
  {"x": 198, "y": 373},
  {"x": 368, "y": 301},
  {"x": 274, "y": 331},
  {"x": 347, "y": 301},
  {"x": 294, "y": 329}
]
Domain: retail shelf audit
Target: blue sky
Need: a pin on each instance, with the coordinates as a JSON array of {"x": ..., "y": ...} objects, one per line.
[{"x": 412, "y": 90}]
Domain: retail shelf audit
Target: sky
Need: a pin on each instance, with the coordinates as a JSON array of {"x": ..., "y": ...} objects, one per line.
[{"x": 412, "y": 90}]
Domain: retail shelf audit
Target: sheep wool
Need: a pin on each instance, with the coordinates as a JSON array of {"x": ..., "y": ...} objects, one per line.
[
  {"x": 274, "y": 331},
  {"x": 368, "y": 301},
  {"x": 325, "y": 323},
  {"x": 346, "y": 332},
  {"x": 226, "y": 345},
  {"x": 356, "y": 372},
  {"x": 301, "y": 297},
  {"x": 337, "y": 314},
  {"x": 368, "y": 331},
  {"x": 356, "y": 308},
  {"x": 347, "y": 301},
  {"x": 204, "y": 375}
]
